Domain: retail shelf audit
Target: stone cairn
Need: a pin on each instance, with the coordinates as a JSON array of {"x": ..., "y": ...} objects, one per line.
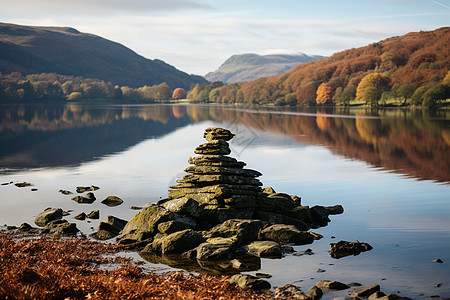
[
  {"x": 219, "y": 183},
  {"x": 219, "y": 208}
]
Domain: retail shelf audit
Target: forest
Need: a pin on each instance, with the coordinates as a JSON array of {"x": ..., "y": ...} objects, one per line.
[
  {"x": 413, "y": 69},
  {"x": 15, "y": 87}
]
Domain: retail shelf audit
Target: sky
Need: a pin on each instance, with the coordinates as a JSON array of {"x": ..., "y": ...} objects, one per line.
[{"x": 197, "y": 36}]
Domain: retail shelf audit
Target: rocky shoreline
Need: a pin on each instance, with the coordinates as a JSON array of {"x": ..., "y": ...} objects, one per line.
[{"x": 218, "y": 220}]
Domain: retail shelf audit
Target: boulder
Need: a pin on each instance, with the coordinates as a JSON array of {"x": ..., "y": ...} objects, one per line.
[
  {"x": 289, "y": 291},
  {"x": 286, "y": 234},
  {"x": 95, "y": 214},
  {"x": 177, "y": 225},
  {"x": 243, "y": 230},
  {"x": 300, "y": 213},
  {"x": 145, "y": 223},
  {"x": 320, "y": 215},
  {"x": 344, "y": 248},
  {"x": 278, "y": 202},
  {"x": 263, "y": 249},
  {"x": 249, "y": 282},
  {"x": 327, "y": 285},
  {"x": 280, "y": 219},
  {"x": 112, "y": 201},
  {"x": 110, "y": 228},
  {"x": 217, "y": 134},
  {"x": 179, "y": 242},
  {"x": 365, "y": 291},
  {"x": 81, "y": 216},
  {"x": 335, "y": 210},
  {"x": 185, "y": 206},
  {"x": 89, "y": 198},
  {"x": 47, "y": 216},
  {"x": 61, "y": 227},
  {"x": 214, "y": 251},
  {"x": 269, "y": 190},
  {"x": 314, "y": 293}
]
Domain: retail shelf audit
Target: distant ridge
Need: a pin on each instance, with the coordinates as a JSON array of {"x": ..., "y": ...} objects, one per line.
[
  {"x": 66, "y": 51},
  {"x": 250, "y": 66}
]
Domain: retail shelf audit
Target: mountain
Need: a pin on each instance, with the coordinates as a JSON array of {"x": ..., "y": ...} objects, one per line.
[
  {"x": 410, "y": 69},
  {"x": 66, "y": 51},
  {"x": 246, "y": 67}
]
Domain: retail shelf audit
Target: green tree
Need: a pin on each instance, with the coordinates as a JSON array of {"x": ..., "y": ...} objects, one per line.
[{"x": 349, "y": 93}]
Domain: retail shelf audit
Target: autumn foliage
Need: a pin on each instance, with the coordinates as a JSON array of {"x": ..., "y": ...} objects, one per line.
[
  {"x": 417, "y": 59},
  {"x": 49, "y": 268}
]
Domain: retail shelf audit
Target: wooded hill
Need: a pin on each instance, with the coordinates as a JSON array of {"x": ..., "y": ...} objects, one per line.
[
  {"x": 66, "y": 51},
  {"x": 413, "y": 68}
]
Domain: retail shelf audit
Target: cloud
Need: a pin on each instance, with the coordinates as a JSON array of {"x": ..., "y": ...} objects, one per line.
[{"x": 97, "y": 7}]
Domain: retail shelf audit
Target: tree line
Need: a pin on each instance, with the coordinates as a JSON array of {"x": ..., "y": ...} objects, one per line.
[
  {"x": 54, "y": 87},
  {"x": 412, "y": 69}
]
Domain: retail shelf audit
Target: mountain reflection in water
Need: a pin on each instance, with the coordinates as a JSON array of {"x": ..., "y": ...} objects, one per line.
[{"x": 415, "y": 143}]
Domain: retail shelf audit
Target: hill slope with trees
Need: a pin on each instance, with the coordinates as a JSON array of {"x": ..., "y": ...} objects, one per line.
[
  {"x": 246, "y": 67},
  {"x": 412, "y": 69},
  {"x": 66, "y": 51}
]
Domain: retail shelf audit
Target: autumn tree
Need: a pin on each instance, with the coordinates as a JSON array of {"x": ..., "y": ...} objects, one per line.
[
  {"x": 179, "y": 93},
  {"x": 324, "y": 94},
  {"x": 372, "y": 81}
]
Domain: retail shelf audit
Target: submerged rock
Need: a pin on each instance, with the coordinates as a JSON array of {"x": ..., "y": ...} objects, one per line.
[
  {"x": 112, "y": 201},
  {"x": 344, "y": 248},
  {"x": 89, "y": 198},
  {"x": 249, "y": 282},
  {"x": 48, "y": 215}
]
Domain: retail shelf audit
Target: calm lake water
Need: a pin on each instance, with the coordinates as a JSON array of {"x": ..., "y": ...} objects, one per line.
[{"x": 390, "y": 169}]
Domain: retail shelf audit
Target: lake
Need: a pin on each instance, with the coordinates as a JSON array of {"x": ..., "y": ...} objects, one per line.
[{"x": 390, "y": 169}]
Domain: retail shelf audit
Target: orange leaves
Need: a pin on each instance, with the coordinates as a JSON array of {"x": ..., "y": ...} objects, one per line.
[
  {"x": 324, "y": 94},
  {"x": 376, "y": 81}
]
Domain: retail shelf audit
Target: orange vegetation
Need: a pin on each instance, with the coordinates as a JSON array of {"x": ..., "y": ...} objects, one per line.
[{"x": 55, "y": 268}]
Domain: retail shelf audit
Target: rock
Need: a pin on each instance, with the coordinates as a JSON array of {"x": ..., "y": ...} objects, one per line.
[
  {"x": 81, "y": 216},
  {"x": 269, "y": 190},
  {"x": 335, "y": 210},
  {"x": 286, "y": 234},
  {"x": 297, "y": 200},
  {"x": 263, "y": 275},
  {"x": 95, "y": 214},
  {"x": 269, "y": 249},
  {"x": 365, "y": 291},
  {"x": 217, "y": 161},
  {"x": 320, "y": 215},
  {"x": 280, "y": 219},
  {"x": 314, "y": 293},
  {"x": 320, "y": 271},
  {"x": 238, "y": 264},
  {"x": 344, "y": 248},
  {"x": 112, "y": 201},
  {"x": 217, "y": 134},
  {"x": 177, "y": 225},
  {"x": 25, "y": 227},
  {"x": 145, "y": 223},
  {"x": 179, "y": 242},
  {"x": 276, "y": 202},
  {"x": 214, "y": 147},
  {"x": 305, "y": 252},
  {"x": 214, "y": 251},
  {"x": 110, "y": 228},
  {"x": 89, "y": 198},
  {"x": 300, "y": 213},
  {"x": 47, "y": 216},
  {"x": 289, "y": 291},
  {"x": 249, "y": 282},
  {"x": 65, "y": 192},
  {"x": 34, "y": 190},
  {"x": 82, "y": 189},
  {"x": 326, "y": 285},
  {"x": 287, "y": 249},
  {"x": 376, "y": 295},
  {"x": 185, "y": 206},
  {"x": 61, "y": 227},
  {"x": 438, "y": 261},
  {"x": 243, "y": 230},
  {"x": 224, "y": 171},
  {"x": 23, "y": 184}
]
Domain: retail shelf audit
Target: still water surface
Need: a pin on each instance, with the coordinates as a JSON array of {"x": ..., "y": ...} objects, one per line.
[{"x": 390, "y": 169}]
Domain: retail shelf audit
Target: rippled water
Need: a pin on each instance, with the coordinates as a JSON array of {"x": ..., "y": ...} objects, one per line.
[{"x": 390, "y": 169}]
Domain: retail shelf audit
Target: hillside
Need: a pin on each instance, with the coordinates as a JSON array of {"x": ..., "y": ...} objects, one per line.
[
  {"x": 246, "y": 67},
  {"x": 411, "y": 69},
  {"x": 66, "y": 51}
]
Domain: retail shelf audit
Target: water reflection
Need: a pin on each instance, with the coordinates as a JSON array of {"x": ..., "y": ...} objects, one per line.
[{"x": 412, "y": 142}]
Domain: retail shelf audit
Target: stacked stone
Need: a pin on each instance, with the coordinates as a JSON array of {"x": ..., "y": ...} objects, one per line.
[{"x": 217, "y": 181}]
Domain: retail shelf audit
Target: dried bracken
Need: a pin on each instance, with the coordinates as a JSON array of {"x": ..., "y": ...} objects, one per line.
[{"x": 57, "y": 268}]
